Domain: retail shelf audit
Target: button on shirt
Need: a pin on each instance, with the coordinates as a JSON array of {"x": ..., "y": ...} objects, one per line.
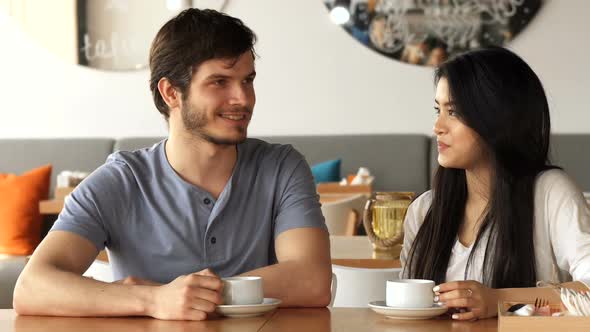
[{"x": 157, "y": 226}]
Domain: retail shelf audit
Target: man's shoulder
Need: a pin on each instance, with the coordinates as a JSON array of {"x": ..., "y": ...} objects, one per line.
[
  {"x": 136, "y": 159},
  {"x": 123, "y": 169},
  {"x": 116, "y": 182}
]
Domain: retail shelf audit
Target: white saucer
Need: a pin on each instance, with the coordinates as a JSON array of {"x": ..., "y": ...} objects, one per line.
[
  {"x": 248, "y": 310},
  {"x": 407, "y": 313}
]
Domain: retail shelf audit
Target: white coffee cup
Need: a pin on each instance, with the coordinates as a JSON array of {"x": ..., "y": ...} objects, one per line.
[
  {"x": 409, "y": 293},
  {"x": 242, "y": 290}
]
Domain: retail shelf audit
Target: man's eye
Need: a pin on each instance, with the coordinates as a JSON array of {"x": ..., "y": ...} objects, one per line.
[{"x": 219, "y": 82}]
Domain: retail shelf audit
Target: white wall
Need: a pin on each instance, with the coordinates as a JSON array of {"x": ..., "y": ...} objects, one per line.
[{"x": 313, "y": 79}]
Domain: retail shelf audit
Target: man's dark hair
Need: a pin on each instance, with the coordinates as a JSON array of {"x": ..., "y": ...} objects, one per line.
[{"x": 189, "y": 39}]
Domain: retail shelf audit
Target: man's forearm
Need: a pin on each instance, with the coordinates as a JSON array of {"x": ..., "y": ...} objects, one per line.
[
  {"x": 50, "y": 291},
  {"x": 297, "y": 284}
]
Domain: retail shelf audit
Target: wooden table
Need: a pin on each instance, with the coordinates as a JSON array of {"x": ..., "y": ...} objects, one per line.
[
  {"x": 322, "y": 319},
  {"x": 51, "y": 206},
  {"x": 361, "y": 319},
  {"x": 9, "y": 321}
]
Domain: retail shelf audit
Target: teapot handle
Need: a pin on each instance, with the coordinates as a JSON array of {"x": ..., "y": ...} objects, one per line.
[{"x": 368, "y": 219}]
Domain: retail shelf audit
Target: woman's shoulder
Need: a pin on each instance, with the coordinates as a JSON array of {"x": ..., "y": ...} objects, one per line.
[
  {"x": 419, "y": 207},
  {"x": 422, "y": 201},
  {"x": 556, "y": 182},
  {"x": 557, "y": 195}
]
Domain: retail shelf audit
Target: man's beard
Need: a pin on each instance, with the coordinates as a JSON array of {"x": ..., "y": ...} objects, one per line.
[{"x": 195, "y": 121}]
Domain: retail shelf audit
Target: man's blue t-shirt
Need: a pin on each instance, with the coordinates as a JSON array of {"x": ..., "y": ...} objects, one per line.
[{"x": 157, "y": 226}]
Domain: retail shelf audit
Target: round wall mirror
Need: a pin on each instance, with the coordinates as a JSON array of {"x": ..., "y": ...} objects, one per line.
[
  {"x": 100, "y": 34},
  {"x": 427, "y": 32}
]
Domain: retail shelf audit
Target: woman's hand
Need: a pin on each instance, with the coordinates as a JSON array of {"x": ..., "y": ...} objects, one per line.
[{"x": 471, "y": 299}]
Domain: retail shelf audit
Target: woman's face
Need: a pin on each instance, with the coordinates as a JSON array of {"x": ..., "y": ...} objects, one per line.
[{"x": 458, "y": 145}]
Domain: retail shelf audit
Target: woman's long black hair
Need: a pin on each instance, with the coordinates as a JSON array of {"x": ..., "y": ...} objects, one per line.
[{"x": 500, "y": 97}]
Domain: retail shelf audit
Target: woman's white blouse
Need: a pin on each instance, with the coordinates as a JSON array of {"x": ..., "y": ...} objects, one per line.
[{"x": 561, "y": 233}]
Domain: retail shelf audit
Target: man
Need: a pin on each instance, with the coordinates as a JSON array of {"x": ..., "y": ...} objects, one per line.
[{"x": 204, "y": 203}]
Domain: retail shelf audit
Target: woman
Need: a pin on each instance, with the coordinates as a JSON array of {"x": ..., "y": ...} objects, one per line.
[{"x": 499, "y": 214}]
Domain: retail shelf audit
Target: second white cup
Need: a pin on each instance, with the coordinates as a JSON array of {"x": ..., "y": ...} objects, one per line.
[
  {"x": 409, "y": 293},
  {"x": 242, "y": 290}
]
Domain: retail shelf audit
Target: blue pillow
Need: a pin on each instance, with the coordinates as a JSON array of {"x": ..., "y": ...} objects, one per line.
[{"x": 327, "y": 171}]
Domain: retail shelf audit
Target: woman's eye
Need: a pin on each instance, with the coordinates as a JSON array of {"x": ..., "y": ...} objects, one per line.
[{"x": 436, "y": 110}]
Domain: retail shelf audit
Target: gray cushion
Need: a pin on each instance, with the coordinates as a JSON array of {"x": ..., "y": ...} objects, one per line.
[
  {"x": 398, "y": 162},
  {"x": 572, "y": 153},
  {"x": 76, "y": 154}
]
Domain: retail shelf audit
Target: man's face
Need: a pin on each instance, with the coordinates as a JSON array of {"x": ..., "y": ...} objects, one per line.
[{"x": 220, "y": 100}]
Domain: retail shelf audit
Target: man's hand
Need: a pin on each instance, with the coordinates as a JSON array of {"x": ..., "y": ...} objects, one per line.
[
  {"x": 51, "y": 284},
  {"x": 189, "y": 297}
]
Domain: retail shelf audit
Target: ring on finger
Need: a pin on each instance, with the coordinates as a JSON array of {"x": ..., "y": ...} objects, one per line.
[{"x": 469, "y": 292}]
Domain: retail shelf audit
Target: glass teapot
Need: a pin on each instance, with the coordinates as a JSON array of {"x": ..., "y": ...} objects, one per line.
[{"x": 384, "y": 218}]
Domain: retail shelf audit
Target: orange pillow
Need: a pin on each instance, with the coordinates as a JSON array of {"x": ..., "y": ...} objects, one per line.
[{"x": 20, "y": 221}]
